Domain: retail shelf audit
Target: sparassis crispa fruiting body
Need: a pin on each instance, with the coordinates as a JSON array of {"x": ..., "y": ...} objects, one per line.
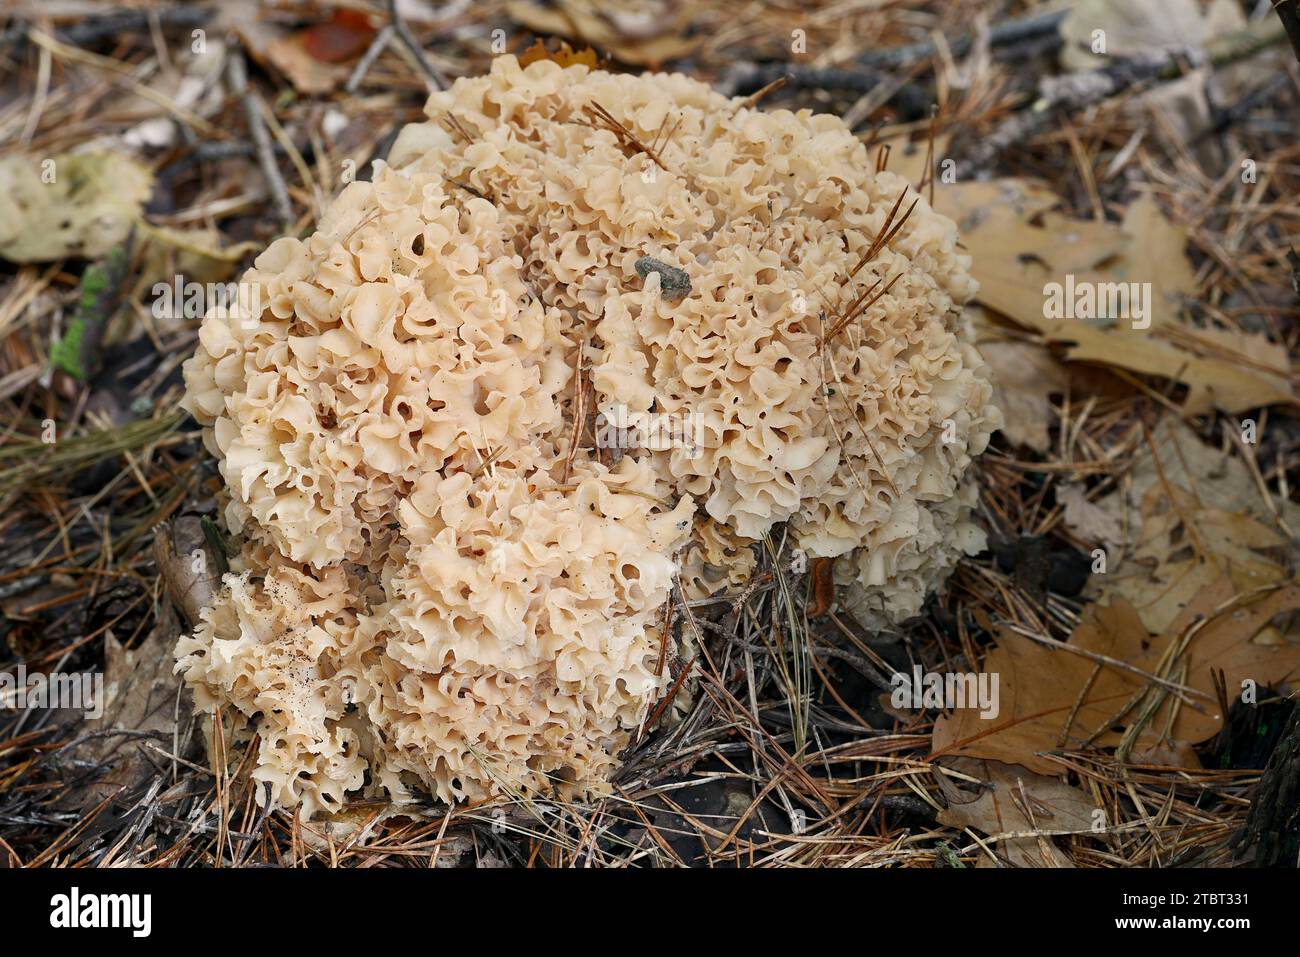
[{"x": 446, "y": 585}]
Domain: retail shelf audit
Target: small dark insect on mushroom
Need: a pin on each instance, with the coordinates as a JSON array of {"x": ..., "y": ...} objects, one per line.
[{"x": 674, "y": 283}]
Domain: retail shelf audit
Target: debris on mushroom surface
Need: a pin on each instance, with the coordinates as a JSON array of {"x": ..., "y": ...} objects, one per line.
[
  {"x": 393, "y": 407},
  {"x": 673, "y": 282}
]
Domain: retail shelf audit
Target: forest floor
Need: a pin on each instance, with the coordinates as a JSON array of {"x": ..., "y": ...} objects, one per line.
[{"x": 1140, "y": 501}]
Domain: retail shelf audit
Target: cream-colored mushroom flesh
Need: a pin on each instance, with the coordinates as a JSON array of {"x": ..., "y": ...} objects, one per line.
[{"x": 448, "y": 585}]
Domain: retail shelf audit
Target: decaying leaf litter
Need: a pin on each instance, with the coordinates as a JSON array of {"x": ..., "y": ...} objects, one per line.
[{"x": 1167, "y": 451}]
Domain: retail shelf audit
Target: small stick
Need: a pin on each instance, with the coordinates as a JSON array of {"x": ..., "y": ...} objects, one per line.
[
  {"x": 861, "y": 305},
  {"x": 1028, "y": 27},
  {"x": 579, "y": 411},
  {"x": 92, "y": 29},
  {"x": 1096, "y": 657},
  {"x": 666, "y": 635},
  {"x": 238, "y": 76},
  {"x": 752, "y": 100},
  {"x": 909, "y": 100},
  {"x": 438, "y": 81},
  {"x": 377, "y": 46},
  {"x": 601, "y": 118},
  {"x": 455, "y": 127},
  {"x": 929, "y": 154},
  {"x": 1078, "y": 91},
  {"x": 1288, "y": 12}
]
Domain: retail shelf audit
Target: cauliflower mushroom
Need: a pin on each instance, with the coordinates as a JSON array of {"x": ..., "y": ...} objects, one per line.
[{"x": 446, "y": 585}]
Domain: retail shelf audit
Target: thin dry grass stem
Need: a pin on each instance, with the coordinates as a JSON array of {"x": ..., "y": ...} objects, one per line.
[
  {"x": 579, "y": 411},
  {"x": 600, "y": 118},
  {"x": 927, "y": 176},
  {"x": 751, "y": 101},
  {"x": 860, "y": 305},
  {"x": 452, "y": 124},
  {"x": 886, "y": 233}
]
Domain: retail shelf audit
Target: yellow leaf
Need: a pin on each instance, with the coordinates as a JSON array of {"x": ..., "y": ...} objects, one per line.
[
  {"x": 81, "y": 204},
  {"x": 1025, "y": 254}
]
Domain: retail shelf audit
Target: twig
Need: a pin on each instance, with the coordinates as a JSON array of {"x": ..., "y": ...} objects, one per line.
[
  {"x": 377, "y": 46},
  {"x": 909, "y": 99},
  {"x": 74, "y": 54},
  {"x": 1288, "y": 12},
  {"x": 238, "y": 75},
  {"x": 1078, "y": 90},
  {"x": 435, "y": 78},
  {"x": 752, "y": 100},
  {"x": 601, "y": 118},
  {"x": 1030, "y": 27},
  {"x": 93, "y": 29},
  {"x": 1097, "y": 657}
]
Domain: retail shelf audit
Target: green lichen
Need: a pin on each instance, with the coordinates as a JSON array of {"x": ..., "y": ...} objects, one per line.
[
  {"x": 66, "y": 353},
  {"x": 74, "y": 352}
]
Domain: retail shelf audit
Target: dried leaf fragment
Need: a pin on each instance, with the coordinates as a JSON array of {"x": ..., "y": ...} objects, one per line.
[{"x": 80, "y": 204}]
